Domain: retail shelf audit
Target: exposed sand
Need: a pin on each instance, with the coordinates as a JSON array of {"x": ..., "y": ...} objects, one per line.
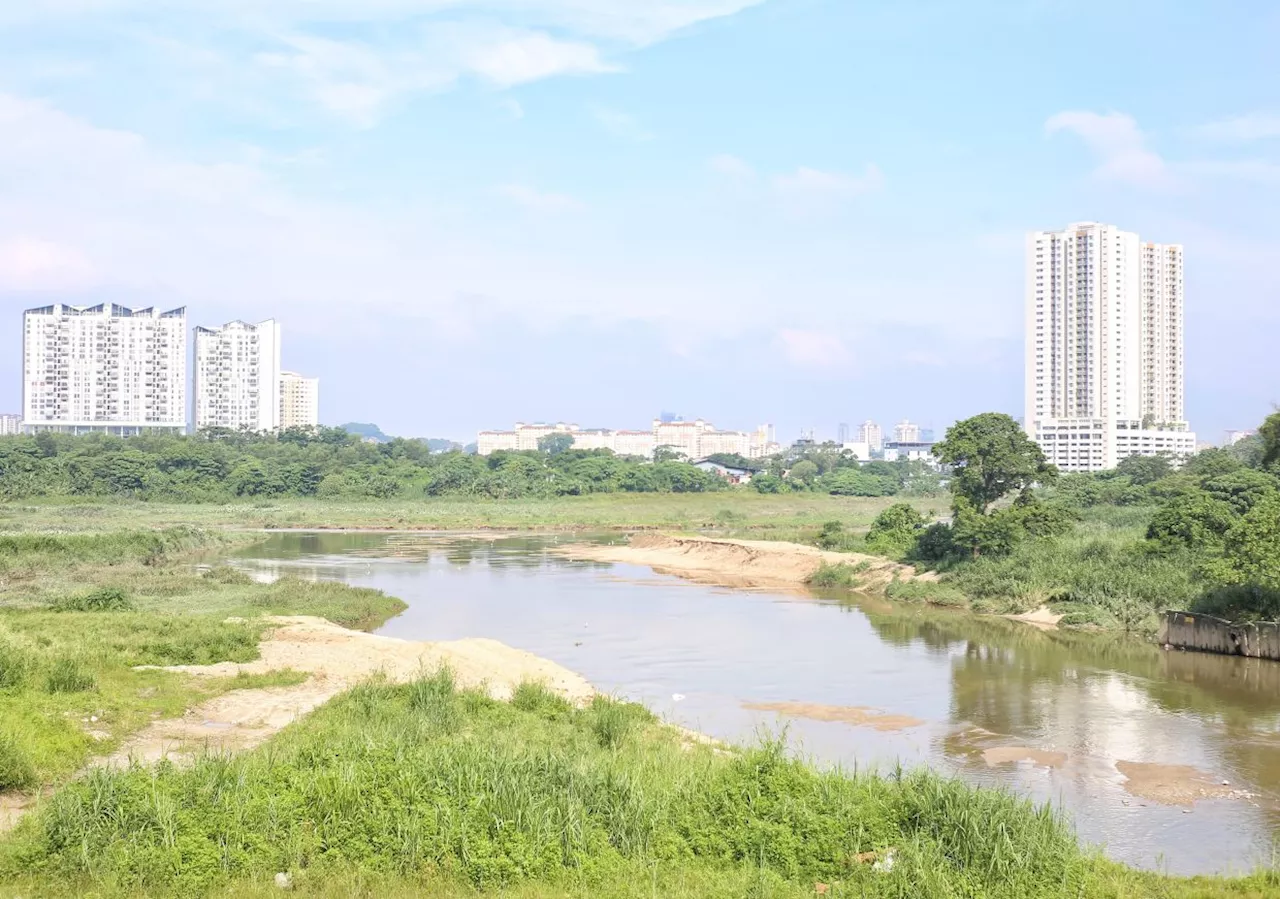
[
  {"x": 740, "y": 563},
  {"x": 1005, "y": 755},
  {"x": 336, "y": 658},
  {"x": 858, "y": 716},
  {"x": 1174, "y": 784},
  {"x": 1043, "y": 618}
]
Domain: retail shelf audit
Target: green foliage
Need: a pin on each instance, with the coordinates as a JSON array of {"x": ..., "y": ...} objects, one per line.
[
  {"x": 990, "y": 457},
  {"x": 853, "y": 482},
  {"x": 69, "y": 674},
  {"x": 1269, "y": 433},
  {"x": 18, "y": 663},
  {"x": 832, "y": 535},
  {"x": 895, "y": 530},
  {"x": 328, "y": 463},
  {"x": 842, "y": 575},
  {"x": 803, "y": 472},
  {"x": 16, "y": 770},
  {"x": 769, "y": 483},
  {"x": 1251, "y": 549},
  {"x": 1144, "y": 470},
  {"x": 108, "y": 599},
  {"x": 1194, "y": 520}
]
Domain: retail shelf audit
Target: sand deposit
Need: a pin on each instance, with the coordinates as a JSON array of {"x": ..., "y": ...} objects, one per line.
[
  {"x": 858, "y": 716},
  {"x": 741, "y": 563},
  {"x": 336, "y": 659},
  {"x": 1174, "y": 784}
]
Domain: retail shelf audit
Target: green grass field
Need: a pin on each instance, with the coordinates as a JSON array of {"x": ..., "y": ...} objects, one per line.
[{"x": 740, "y": 510}]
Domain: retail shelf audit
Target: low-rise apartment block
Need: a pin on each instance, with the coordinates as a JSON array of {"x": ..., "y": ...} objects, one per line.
[
  {"x": 694, "y": 439},
  {"x": 10, "y": 425}
]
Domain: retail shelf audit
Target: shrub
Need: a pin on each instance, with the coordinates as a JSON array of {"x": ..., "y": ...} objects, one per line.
[
  {"x": 17, "y": 664},
  {"x": 68, "y": 674},
  {"x": 894, "y": 530},
  {"x": 832, "y": 535},
  {"x": 835, "y": 576},
  {"x": 108, "y": 599},
  {"x": 16, "y": 770},
  {"x": 612, "y": 721}
]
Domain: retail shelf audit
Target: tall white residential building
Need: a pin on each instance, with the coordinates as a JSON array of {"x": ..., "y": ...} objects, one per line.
[
  {"x": 238, "y": 376},
  {"x": 871, "y": 434},
  {"x": 10, "y": 425},
  {"x": 1104, "y": 347},
  {"x": 906, "y": 432},
  {"x": 104, "y": 368},
  {"x": 299, "y": 401}
]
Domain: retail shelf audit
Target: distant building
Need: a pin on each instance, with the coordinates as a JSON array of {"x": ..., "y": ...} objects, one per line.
[
  {"x": 871, "y": 434},
  {"x": 926, "y": 435},
  {"x": 237, "y": 376},
  {"x": 300, "y": 401},
  {"x": 734, "y": 474},
  {"x": 906, "y": 432},
  {"x": 1234, "y": 437},
  {"x": 859, "y": 451},
  {"x": 10, "y": 424},
  {"x": 104, "y": 368},
  {"x": 910, "y": 451},
  {"x": 694, "y": 439},
  {"x": 842, "y": 433},
  {"x": 1104, "y": 347}
]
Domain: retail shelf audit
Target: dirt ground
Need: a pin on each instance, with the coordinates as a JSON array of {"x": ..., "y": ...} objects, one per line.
[{"x": 741, "y": 563}]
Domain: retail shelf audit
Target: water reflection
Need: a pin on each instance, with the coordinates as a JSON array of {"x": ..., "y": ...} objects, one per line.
[{"x": 1049, "y": 713}]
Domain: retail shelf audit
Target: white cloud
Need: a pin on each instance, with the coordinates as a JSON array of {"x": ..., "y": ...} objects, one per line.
[
  {"x": 808, "y": 190},
  {"x": 31, "y": 264},
  {"x": 620, "y": 124},
  {"x": 1243, "y": 128},
  {"x": 516, "y": 58},
  {"x": 533, "y": 198},
  {"x": 512, "y": 106},
  {"x": 1118, "y": 145},
  {"x": 731, "y": 167},
  {"x": 813, "y": 349}
]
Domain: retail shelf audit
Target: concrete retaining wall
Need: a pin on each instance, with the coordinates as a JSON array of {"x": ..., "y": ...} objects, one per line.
[{"x": 1204, "y": 633}]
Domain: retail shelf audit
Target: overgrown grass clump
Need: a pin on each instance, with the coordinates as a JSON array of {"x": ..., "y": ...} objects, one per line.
[
  {"x": 422, "y": 779},
  {"x": 840, "y": 575},
  {"x": 358, "y": 608}
]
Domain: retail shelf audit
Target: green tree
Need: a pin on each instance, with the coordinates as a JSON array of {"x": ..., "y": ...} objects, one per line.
[
  {"x": 895, "y": 530},
  {"x": 1196, "y": 520},
  {"x": 804, "y": 472},
  {"x": 990, "y": 457},
  {"x": 669, "y": 454},
  {"x": 1270, "y": 434},
  {"x": 555, "y": 444},
  {"x": 1251, "y": 550},
  {"x": 1143, "y": 470}
]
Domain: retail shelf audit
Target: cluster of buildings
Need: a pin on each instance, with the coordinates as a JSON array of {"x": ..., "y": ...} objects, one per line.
[
  {"x": 694, "y": 439},
  {"x": 1104, "y": 347},
  {"x": 121, "y": 371}
]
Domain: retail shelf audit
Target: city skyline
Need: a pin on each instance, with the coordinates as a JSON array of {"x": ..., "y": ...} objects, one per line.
[{"x": 752, "y": 209}]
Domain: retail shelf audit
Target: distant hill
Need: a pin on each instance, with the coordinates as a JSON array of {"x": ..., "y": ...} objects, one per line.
[{"x": 368, "y": 431}]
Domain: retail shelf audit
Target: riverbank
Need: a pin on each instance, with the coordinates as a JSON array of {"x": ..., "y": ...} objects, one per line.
[
  {"x": 744, "y": 563},
  {"x": 395, "y": 788}
]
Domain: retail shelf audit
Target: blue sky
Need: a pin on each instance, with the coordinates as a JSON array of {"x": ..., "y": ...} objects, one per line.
[{"x": 468, "y": 212}]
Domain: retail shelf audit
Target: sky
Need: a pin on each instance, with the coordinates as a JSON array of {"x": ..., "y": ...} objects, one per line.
[{"x": 466, "y": 213}]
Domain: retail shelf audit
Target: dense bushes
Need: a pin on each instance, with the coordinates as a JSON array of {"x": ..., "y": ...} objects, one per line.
[{"x": 328, "y": 463}]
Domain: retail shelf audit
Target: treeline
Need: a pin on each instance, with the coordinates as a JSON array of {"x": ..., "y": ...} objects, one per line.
[
  {"x": 828, "y": 469},
  {"x": 327, "y": 463},
  {"x": 1116, "y": 546}
]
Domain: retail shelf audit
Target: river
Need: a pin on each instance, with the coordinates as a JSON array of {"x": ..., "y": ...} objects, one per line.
[{"x": 857, "y": 681}]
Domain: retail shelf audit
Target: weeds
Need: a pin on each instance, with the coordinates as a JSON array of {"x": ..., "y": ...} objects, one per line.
[
  {"x": 108, "y": 599},
  {"x": 840, "y": 575},
  {"x": 16, "y": 770},
  {"x": 69, "y": 674}
]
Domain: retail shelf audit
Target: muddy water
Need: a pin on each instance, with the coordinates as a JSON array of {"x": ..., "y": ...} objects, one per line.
[{"x": 1166, "y": 760}]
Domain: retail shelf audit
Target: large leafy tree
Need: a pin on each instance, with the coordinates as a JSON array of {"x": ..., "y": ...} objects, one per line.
[
  {"x": 1252, "y": 547},
  {"x": 991, "y": 457},
  {"x": 1270, "y": 434}
]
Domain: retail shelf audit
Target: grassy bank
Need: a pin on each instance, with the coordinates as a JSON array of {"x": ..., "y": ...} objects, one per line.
[
  {"x": 783, "y": 516},
  {"x": 397, "y": 789},
  {"x": 78, "y": 612}
]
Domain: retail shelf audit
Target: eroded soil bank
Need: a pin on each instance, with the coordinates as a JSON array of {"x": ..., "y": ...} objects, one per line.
[{"x": 742, "y": 563}]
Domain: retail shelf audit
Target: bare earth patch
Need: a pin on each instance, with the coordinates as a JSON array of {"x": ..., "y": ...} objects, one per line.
[
  {"x": 336, "y": 659},
  {"x": 1043, "y": 618},
  {"x": 1006, "y": 755},
  {"x": 1174, "y": 784},
  {"x": 741, "y": 563},
  {"x": 858, "y": 716}
]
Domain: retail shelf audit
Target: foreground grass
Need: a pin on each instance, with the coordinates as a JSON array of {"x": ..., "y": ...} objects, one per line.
[
  {"x": 421, "y": 789},
  {"x": 78, "y": 612}
]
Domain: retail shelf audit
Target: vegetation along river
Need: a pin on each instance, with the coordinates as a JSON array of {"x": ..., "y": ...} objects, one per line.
[{"x": 1167, "y": 760}]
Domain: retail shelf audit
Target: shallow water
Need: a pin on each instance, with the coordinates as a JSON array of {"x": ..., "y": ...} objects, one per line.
[{"x": 862, "y": 682}]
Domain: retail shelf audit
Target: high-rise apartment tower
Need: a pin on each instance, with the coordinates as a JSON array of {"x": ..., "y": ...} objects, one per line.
[
  {"x": 1104, "y": 347},
  {"x": 104, "y": 368},
  {"x": 237, "y": 383},
  {"x": 299, "y": 401}
]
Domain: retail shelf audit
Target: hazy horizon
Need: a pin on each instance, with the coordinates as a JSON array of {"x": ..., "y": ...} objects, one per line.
[{"x": 467, "y": 213}]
